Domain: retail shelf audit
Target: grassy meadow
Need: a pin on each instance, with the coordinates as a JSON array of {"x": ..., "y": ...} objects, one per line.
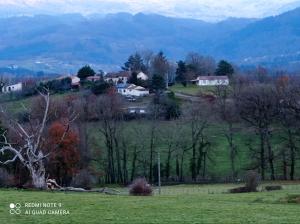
[
  {"x": 191, "y": 89},
  {"x": 207, "y": 204}
]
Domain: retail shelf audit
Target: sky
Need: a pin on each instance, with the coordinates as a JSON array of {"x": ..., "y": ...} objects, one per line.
[{"x": 208, "y": 10}]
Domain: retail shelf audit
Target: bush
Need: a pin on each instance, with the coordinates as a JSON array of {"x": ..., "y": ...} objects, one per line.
[
  {"x": 6, "y": 180},
  {"x": 239, "y": 190},
  {"x": 100, "y": 88},
  {"x": 83, "y": 179},
  {"x": 251, "y": 183},
  {"x": 140, "y": 187},
  {"x": 295, "y": 199},
  {"x": 252, "y": 179},
  {"x": 273, "y": 188}
]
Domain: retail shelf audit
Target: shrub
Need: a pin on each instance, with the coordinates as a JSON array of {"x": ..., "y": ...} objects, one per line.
[
  {"x": 239, "y": 190},
  {"x": 251, "y": 183},
  {"x": 273, "y": 188},
  {"x": 100, "y": 88},
  {"x": 292, "y": 199},
  {"x": 140, "y": 187},
  {"x": 6, "y": 180},
  {"x": 252, "y": 179},
  {"x": 83, "y": 179}
]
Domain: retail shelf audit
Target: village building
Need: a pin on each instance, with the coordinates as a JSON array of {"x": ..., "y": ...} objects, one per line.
[
  {"x": 119, "y": 77},
  {"x": 211, "y": 81},
  {"x": 12, "y": 88},
  {"x": 75, "y": 83},
  {"x": 94, "y": 78},
  {"x": 142, "y": 76},
  {"x": 132, "y": 90}
]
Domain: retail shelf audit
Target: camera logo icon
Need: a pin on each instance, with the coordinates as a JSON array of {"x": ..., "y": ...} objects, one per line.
[{"x": 15, "y": 208}]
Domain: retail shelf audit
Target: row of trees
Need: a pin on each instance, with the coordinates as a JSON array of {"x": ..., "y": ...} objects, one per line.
[
  {"x": 193, "y": 66},
  {"x": 60, "y": 138},
  {"x": 119, "y": 150}
]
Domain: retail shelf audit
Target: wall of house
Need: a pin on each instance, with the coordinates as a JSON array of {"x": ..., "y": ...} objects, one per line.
[
  {"x": 116, "y": 80},
  {"x": 12, "y": 88},
  {"x": 213, "y": 82},
  {"x": 133, "y": 92},
  {"x": 139, "y": 93},
  {"x": 142, "y": 76}
]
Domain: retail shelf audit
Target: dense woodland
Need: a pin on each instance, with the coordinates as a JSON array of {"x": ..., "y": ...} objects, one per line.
[{"x": 86, "y": 138}]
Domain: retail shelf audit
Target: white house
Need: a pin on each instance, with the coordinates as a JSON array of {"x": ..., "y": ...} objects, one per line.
[
  {"x": 116, "y": 78},
  {"x": 142, "y": 76},
  {"x": 12, "y": 88},
  {"x": 132, "y": 90},
  {"x": 75, "y": 80},
  {"x": 212, "y": 81},
  {"x": 94, "y": 78}
]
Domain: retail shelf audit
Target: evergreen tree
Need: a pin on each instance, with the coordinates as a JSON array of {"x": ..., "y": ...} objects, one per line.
[
  {"x": 133, "y": 79},
  {"x": 224, "y": 68},
  {"x": 134, "y": 63},
  {"x": 160, "y": 64},
  {"x": 85, "y": 72},
  {"x": 158, "y": 83},
  {"x": 181, "y": 73}
]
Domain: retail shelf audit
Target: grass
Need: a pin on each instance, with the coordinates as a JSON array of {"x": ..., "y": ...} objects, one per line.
[
  {"x": 177, "y": 204},
  {"x": 191, "y": 89}
]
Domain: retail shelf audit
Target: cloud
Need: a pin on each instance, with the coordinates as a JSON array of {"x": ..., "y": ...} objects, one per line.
[{"x": 200, "y": 9}]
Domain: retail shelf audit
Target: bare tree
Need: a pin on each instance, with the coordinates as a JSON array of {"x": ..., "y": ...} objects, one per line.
[
  {"x": 172, "y": 137},
  {"x": 289, "y": 108},
  {"x": 257, "y": 106},
  {"x": 139, "y": 158},
  {"x": 226, "y": 109},
  {"x": 109, "y": 110},
  {"x": 197, "y": 117},
  {"x": 29, "y": 152},
  {"x": 200, "y": 65}
]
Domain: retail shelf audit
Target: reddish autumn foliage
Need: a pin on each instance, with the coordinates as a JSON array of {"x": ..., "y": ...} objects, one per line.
[
  {"x": 63, "y": 145},
  {"x": 140, "y": 187},
  {"x": 283, "y": 81}
]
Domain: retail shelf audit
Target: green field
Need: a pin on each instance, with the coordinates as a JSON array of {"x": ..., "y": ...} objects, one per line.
[
  {"x": 191, "y": 89},
  {"x": 179, "y": 204}
]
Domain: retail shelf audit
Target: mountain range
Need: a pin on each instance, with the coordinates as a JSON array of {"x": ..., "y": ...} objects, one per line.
[{"x": 63, "y": 43}]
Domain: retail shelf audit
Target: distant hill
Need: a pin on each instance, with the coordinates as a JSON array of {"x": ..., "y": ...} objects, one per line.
[
  {"x": 274, "y": 40},
  {"x": 64, "y": 43}
]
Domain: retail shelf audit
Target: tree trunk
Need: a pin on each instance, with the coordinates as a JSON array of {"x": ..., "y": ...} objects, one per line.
[
  {"x": 292, "y": 154},
  {"x": 151, "y": 154},
  {"x": 177, "y": 167},
  {"x": 262, "y": 155},
  {"x": 199, "y": 160},
  {"x": 125, "y": 170},
  {"x": 193, "y": 161},
  {"x": 233, "y": 151},
  {"x": 118, "y": 157},
  {"x": 133, "y": 167},
  {"x": 37, "y": 172},
  {"x": 204, "y": 165},
  {"x": 168, "y": 163},
  {"x": 181, "y": 167},
  {"x": 284, "y": 165},
  {"x": 270, "y": 157}
]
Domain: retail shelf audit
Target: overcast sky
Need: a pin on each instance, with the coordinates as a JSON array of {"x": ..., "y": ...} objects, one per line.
[{"x": 209, "y": 10}]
